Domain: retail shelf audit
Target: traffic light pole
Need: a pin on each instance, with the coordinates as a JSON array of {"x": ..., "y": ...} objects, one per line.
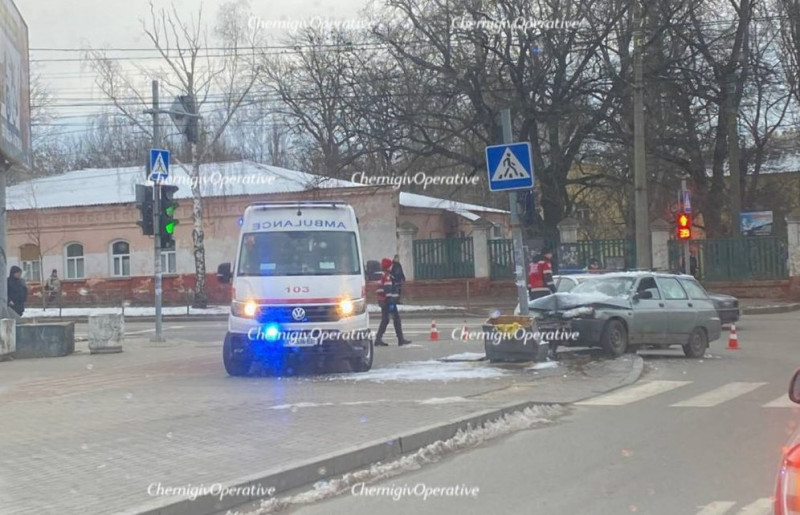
[
  {"x": 156, "y": 221},
  {"x": 687, "y": 267}
]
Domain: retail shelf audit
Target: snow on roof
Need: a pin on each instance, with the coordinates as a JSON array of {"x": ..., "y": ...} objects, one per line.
[
  {"x": 425, "y": 202},
  {"x": 94, "y": 187}
]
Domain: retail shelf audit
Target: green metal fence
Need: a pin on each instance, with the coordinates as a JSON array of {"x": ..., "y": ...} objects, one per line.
[
  {"x": 446, "y": 258},
  {"x": 617, "y": 254},
  {"x": 760, "y": 257},
  {"x": 501, "y": 259}
]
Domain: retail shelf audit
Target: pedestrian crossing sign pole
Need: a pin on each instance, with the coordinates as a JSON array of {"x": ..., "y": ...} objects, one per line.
[{"x": 510, "y": 168}]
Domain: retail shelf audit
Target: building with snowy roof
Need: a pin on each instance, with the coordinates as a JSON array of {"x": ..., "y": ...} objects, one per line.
[{"x": 83, "y": 223}]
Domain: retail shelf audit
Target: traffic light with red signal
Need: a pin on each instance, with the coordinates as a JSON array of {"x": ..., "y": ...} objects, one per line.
[{"x": 684, "y": 226}]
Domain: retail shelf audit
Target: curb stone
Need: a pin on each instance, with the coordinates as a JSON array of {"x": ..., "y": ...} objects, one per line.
[
  {"x": 771, "y": 310},
  {"x": 309, "y": 471}
]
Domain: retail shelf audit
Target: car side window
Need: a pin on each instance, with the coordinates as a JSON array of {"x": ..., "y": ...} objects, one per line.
[
  {"x": 649, "y": 284},
  {"x": 694, "y": 290},
  {"x": 672, "y": 288},
  {"x": 565, "y": 285}
]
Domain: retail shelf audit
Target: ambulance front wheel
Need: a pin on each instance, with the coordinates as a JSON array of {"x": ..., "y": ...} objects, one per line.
[{"x": 236, "y": 358}]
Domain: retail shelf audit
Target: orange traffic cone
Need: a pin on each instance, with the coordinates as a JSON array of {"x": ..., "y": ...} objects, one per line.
[
  {"x": 464, "y": 332},
  {"x": 434, "y": 332},
  {"x": 733, "y": 339}
]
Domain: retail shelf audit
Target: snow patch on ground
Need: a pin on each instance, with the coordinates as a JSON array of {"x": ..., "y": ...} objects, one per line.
[
  {"x": 424, "y": 371},
  {"x": 145, "y": 311},
  {"x": 444, "y": 400},
  {"x": 544, "y": 365},
  {"x": 465, "y": 356},
  {"x": 509, "y": 423},
  {"x": 301, "y": 405},
  {"x": 129, "y": 311},
  {"x": 374, "y": 308}
]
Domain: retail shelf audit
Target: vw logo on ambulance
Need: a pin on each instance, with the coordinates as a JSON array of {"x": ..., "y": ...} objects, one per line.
[{"x": 298, "y": 314}]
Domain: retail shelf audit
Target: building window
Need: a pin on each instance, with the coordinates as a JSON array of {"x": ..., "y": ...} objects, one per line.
[
  {"x": 31, "y": 262},
  {"x": 498, "y": 231},
  {"x": 121, "y": 259},
  {"x": 168, "y": 262},
  {"x": 74, "y": 253}
]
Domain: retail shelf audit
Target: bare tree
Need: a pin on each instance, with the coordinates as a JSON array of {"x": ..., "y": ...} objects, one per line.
[{"x": 218, "y": 81}]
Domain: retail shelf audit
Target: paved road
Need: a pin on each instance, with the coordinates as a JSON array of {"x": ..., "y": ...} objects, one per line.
[
  {"x": 692, "y": 437},
  {"x": 90, "y": 433}
]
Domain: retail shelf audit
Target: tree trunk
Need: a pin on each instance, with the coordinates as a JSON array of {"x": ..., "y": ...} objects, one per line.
[{"x": 200, "y": 299}]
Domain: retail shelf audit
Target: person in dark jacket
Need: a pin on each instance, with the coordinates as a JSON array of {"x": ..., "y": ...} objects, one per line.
[
  {"x": 398, "y": 276},
  {"x": 387, "y": 300},
  {"x": 17, "y": 291}
]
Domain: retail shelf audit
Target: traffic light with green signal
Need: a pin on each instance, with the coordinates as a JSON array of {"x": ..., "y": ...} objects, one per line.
[
  {"x": 167, "y": 219},
  {"x": 144, "y": 203}
]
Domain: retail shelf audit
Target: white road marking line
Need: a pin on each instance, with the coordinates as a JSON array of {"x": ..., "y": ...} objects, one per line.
[
  {"x": 633, "y": 394},
  {"x": 760, "y": 507},
  {"x": 716, "y": 508},
  {"x": 781, "y": 402},
  {"x": 718, "y": 396}
]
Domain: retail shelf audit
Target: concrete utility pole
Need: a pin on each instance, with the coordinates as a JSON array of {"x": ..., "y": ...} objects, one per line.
[
  {"x": 157, "y": 220},
  {"x": 516, "y": 229},
  {"x": 733, "y": 158},
  {"x": 644, "y": 257}
]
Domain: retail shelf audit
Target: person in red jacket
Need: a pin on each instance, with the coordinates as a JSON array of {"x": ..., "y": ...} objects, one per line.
[
  {"x": 387, "y": 300},
  {"x": 540, "y": 278}
]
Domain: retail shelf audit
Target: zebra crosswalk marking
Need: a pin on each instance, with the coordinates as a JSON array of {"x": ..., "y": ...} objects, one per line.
[
  {"x": 634, "y": 393},
  {"x": 716, "y": 508},
  {"x": 718, "y": 396}
]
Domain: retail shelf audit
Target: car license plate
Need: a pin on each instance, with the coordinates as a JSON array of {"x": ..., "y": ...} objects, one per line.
[{"x": 302, "y": 340}]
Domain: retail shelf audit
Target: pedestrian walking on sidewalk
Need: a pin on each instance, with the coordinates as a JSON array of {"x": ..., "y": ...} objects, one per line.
[
  {"x": 387, "y": 300},
  {"x": 17, "y": 291},
  {"x": 53, "y": 287}
]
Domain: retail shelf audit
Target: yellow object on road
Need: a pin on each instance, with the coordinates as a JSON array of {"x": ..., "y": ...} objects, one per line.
[{"x": 508, "y": 329}]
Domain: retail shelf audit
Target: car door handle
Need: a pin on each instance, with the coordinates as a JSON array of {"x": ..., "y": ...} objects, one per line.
[
  {"x": 691, "y": 305},
  {"x": 661, "y": 304}
]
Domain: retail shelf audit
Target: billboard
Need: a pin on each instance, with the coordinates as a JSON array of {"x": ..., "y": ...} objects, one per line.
[
  {"x": 756, "y": 223},
  {"x": 15, "y": 108}
]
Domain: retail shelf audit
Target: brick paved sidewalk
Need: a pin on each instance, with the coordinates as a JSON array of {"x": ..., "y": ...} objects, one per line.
[{"x": 91, "y": 440}]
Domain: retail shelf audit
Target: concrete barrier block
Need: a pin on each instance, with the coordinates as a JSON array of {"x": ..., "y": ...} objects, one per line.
[
  {"x": 45, "y": 340},
  {"x": 106, "y": 333},
  {"x": 8, "y": 337}
]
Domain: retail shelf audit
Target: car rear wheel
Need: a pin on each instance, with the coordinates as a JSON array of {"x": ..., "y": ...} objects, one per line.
[
  {"x": 364, "y": 363},
  {"x": 697, "y": 345},
  {"x": 615, "y": 338},
  {"x": 236, "y": 363}
]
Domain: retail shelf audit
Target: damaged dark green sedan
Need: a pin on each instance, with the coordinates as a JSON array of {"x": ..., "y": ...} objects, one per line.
[{"x": 622, "y": 312}]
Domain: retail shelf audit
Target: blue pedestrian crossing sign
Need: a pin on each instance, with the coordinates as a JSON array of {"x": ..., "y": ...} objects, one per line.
[
  {"x": 510, "y": 166},
  {"x": 159, "y": 165}
]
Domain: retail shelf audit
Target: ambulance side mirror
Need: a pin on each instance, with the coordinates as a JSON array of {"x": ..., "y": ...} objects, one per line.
[{"x": 224, "y": 273}]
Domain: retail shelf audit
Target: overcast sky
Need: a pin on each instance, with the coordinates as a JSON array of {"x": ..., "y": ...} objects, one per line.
[{"x": 77, "y": 24}]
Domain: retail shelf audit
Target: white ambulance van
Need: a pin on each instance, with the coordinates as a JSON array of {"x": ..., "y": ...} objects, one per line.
[{"x": 298, "y": 288}]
